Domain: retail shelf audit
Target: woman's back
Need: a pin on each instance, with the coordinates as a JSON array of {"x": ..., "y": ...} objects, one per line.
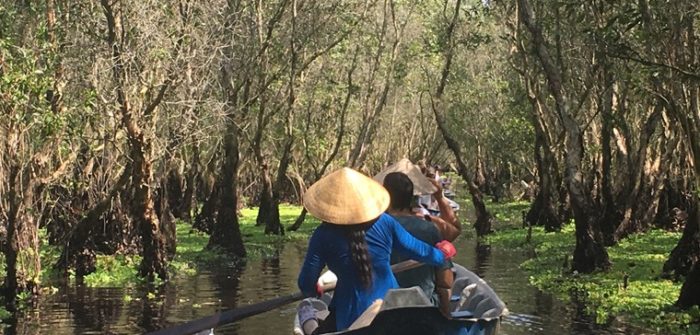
[
  {"x": 355, "y": 242},
  {"x": 329, "y": 246}
]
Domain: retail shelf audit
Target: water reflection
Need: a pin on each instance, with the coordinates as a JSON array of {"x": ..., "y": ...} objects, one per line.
[
  {"x": 482, "y": 254},
  {"x": 82, "y": 310},
  {"x": 229, "y": 283},
  {"x": 544, "y": 303},
  {"x": 93, "y": 310}
]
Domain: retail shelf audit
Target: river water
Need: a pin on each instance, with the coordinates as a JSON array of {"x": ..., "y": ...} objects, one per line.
[{"x": 81, "y": 310}]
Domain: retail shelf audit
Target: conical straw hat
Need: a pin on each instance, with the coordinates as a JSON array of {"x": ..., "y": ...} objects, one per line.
[
  {"x": 346, "y": 197},
  {"x": 421, "y": 184}
]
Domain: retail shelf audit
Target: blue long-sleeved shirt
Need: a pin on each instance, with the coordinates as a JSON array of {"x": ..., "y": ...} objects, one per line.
[{"x": 329, "y": 246}]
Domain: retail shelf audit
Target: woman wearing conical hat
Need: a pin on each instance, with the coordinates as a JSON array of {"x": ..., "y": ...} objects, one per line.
[{"x": 355, "y": 241}]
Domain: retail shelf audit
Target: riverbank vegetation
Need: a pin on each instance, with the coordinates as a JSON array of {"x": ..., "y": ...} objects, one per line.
[
  {"x": 122, "y": 119},
  {"x": 192, "y": 253},
  {"x": 633, "y": 290}
]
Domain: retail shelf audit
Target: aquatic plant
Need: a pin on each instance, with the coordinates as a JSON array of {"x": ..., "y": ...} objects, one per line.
[{"x": 631, "y": 291}]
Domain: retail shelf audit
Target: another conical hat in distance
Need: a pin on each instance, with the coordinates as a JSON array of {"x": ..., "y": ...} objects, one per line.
[
  {"x": 421, "y": 184},
  {"x": 346, "y": 197}
]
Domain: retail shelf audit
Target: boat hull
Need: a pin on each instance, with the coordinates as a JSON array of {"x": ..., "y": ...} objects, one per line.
[
  {"x": 423, "y": 321},
  {"x": 476, "y": 310}
]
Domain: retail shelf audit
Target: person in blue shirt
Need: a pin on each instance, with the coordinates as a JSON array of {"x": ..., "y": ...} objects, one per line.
[{"x": 355, "y": 241}]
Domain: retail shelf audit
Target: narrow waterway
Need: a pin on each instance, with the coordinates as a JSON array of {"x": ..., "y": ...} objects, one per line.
[{"x": 81, "y": 310}]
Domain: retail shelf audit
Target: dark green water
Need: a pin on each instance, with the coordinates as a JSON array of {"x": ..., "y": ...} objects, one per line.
[{"x": 80, "y": 310}]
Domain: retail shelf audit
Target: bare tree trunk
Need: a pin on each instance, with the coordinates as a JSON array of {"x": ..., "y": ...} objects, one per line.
[
  {"x": 273, "y": 225},
  {"x": 205, "y": 218},
  {"x": 685, "y": 257},
  {"x": 23, "y": 265},
  {"x": 265, "y": 197},
  {"x": 25, "y": 179},
  {"x": 589, "y": 254},
  {"x": 687, "y": 253},
  {"x": 631, "y": 215},
  {"x": 166, "y": 218},
  {"x": 605, "y": 104},
  {"x": 484, "y": 219},
  {"x": 78, "y": 252},
  {"x": 479, "y": 176},
  {"x": 632, "y": 204},
  {"x": 188, "y": 198},
  {"x": 543, "y": 210},
  {"x": 175, "y": 190},
  {"x": 690, "y": 291},
  {"x": 265, "y": 201},
  {"x": 374, "y": 106},
  {"x": 226, "y": 232},
  {"x": 154, "y": 261}
]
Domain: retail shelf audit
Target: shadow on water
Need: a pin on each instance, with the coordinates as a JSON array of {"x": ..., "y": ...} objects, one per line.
[{"x": 83, "y": 310}]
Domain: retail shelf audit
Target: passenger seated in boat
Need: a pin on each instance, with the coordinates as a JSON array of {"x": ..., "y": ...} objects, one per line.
[
  {"x": 435, "y": 281},
  {"x": 355, "y": 241},
  {"x": 447, "y": 221}
]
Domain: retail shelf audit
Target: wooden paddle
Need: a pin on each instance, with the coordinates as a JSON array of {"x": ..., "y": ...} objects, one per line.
[{"x": 327, "y": 282}]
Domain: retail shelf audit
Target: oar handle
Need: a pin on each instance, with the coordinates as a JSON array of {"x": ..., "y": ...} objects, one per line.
[
  {"x": 229, "y": 316},
  {"x": 327, "y": 282},
  {"x": 405, "y": 265}
]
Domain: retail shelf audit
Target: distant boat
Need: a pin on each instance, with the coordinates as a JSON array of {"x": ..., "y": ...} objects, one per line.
[
  {"x": 432, "y": 207},
  {"x": 476, "y": 310}
]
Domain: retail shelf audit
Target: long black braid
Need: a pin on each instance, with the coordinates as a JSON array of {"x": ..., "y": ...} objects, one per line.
[{"x": 359, "y": 251}]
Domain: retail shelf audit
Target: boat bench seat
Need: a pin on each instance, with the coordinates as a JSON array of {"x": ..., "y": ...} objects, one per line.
[{"x": 402, "y": 297}]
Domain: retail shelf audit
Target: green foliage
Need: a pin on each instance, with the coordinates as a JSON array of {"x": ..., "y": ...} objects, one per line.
[
  {"x": 114, "y": 271},
  {"x": 192, "y": 254},
  {"x": 484, "y": 101},
  {"x": 647, "y": 300},
  {"x": 26, "y": 87},
  {"x": 508, "y": 214},
  {"x": 49, "y": 256},
  {"x": 23, "y": 83},
  {"x": 259, "y": 244}
]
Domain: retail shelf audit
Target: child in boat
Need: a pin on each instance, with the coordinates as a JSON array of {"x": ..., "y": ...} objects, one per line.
[
  {"x": 355, "y": 241},
  {"x": 436, "y": 282}
]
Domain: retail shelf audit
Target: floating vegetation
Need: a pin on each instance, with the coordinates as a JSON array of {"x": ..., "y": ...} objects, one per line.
[{"x": 631, "y": 291}]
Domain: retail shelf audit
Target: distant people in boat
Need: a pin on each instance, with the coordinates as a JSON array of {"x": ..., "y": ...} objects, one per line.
[
  {"x": 442, "y": 212},
  {"x": 355, "y": 241},
  {"x": 446, "y": 220},
  {"x": 435, "y": 281},
  {"x": 427, "y": 201}
]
